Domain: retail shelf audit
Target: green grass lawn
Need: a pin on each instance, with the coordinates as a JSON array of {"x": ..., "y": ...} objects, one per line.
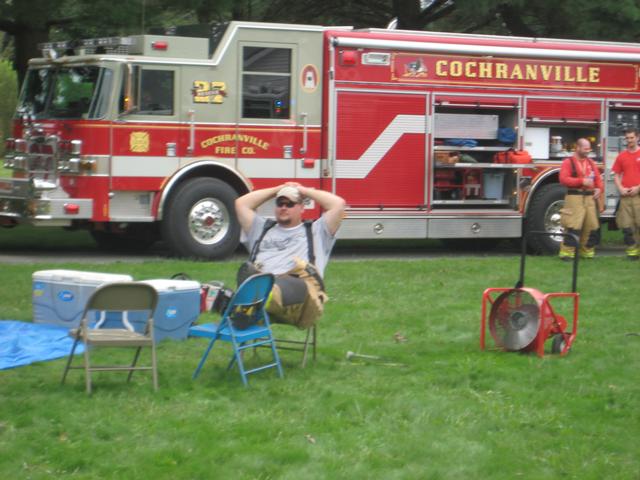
[
  {"x": 437, "y": 407},
  {"x": 27, "y": 237}
]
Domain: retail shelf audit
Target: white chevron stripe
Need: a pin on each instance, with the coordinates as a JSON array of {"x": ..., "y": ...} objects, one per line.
[{"x": 380, "y": 147}]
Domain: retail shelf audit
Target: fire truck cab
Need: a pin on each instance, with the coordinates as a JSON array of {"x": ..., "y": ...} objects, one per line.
[{"x": 153, "y": 137}]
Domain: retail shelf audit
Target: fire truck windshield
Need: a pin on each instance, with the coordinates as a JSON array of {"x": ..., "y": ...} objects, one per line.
[{"x": 78, "y": 92}]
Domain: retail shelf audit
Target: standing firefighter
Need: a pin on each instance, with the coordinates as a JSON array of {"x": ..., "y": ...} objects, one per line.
[
  {"x": 626, "y": 170},
  {"x": 579, "y": 214}
]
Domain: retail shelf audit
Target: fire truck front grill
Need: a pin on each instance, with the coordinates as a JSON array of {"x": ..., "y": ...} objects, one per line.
[{"x": 41, "y": 155}]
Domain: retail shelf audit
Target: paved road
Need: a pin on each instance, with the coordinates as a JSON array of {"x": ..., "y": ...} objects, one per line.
[{"x": 344, "y": 251}]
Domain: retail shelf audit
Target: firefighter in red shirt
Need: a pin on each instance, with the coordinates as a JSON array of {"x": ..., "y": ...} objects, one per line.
[
  {"x": 626, "y": 174},
  {"x": 579, "y": 215}
]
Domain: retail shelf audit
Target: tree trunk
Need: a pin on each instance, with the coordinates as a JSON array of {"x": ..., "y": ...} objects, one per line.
[
  {"x": 26, "y": 43},
  {"x": 411, "y": 16},
  {"x": 408, "y": 14},
  {"x": 512, "y": 17}
]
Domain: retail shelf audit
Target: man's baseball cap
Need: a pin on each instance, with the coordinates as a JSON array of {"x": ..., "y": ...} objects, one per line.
[{"x": 292, "y": 193}]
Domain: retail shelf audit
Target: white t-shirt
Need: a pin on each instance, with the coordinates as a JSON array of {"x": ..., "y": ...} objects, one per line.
[{"x": 281, "y": 245}]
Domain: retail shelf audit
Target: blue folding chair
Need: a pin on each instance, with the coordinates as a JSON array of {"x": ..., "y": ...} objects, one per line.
[{"x": 245, "y": 324}]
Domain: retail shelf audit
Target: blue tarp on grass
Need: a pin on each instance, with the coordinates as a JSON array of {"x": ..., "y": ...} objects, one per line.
[{"x": 22, "y": 343}]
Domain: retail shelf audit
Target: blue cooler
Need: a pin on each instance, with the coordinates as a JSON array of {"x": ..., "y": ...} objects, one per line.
[
  {"x": 59, "y": 296},
  {"x": 178, "y": 307}
]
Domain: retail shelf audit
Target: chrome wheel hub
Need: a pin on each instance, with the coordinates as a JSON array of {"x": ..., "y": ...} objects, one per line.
[
  {"x": 209, "y": 221},
  {"x": 552, "y": 216}
]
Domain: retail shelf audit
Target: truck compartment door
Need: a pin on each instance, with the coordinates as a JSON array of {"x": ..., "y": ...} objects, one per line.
[{"x": 380, "y": 148}]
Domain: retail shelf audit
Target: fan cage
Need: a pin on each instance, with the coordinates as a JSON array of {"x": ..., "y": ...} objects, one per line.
[{"x": 515, "y": 319}]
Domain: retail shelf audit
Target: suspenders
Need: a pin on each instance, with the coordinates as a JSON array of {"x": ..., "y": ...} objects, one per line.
[{"x": 270, "y": 224}]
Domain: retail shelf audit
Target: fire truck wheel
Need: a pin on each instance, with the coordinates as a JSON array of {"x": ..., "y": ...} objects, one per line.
[
  {"x": 544, "y": 215},
  {"x": 200, "y": 221}
]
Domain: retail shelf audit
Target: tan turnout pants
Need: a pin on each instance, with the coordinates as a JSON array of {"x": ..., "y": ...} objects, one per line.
[
  {"x": 579, "y": 216},
  {"x": 300, "y": 305},
  {"x": 628, "y": 220}
]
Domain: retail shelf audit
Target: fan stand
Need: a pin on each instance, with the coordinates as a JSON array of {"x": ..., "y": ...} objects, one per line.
[
  {"x": 548, "y": 324},
  {"x": 551, "y": 323}
]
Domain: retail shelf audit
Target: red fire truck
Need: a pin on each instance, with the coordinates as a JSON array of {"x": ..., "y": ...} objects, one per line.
[{"x": 150, "y": 137}]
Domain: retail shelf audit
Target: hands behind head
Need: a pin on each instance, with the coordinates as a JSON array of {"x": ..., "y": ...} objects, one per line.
[{"x": 304, "y": 191}]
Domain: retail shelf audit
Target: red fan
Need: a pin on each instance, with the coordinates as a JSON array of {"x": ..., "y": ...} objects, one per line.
[{"x": 523, "y": 319}]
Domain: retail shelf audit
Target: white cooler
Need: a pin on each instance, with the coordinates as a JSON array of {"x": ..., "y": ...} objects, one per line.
[
  {"x": 178, "y": 307},
  {"x": 59, "y": 296}
]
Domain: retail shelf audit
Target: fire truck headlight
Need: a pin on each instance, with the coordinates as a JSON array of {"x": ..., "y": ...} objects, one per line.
[
  {"x": 73, "y": 165},
  {"x": 20, "y": 163},
  {"x": 76, "y": 147},
  {"x": 21, "y": 145}
]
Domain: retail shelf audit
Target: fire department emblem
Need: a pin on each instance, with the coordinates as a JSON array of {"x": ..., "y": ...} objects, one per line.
[
  {"x": 139, "y": 142},
  {"x": 309, "y": 78},
  {"x": 416, "y": 68}
]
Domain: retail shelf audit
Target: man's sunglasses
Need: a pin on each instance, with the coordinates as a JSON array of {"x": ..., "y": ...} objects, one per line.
[{"x": 281, "y": 202}]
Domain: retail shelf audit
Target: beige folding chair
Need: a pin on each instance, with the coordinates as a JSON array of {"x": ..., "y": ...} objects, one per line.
[
  {"x": 310, "y": 341},
  {"x": 124, "y": 298}
]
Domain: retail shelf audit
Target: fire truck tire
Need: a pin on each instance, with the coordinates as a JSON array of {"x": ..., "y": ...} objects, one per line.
[
  {"x": 544, "y": 215},
  {"x": 200, "y": 220}
]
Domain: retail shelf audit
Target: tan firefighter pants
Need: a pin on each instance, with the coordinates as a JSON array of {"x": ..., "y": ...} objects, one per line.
[
  {"x": 297, "y": 298},
  {"x": 628, "y": 220},
  {"x": 579, "y": 215}
]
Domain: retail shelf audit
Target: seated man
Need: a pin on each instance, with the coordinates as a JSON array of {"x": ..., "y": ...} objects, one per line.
[{"x": 296, "y": 252}]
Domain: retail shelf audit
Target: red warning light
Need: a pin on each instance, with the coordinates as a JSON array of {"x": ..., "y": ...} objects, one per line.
[
  {"x": 160, "y": 45},
  {"x": 348, "y": 57},
  {"x": 71, "y": 208}
]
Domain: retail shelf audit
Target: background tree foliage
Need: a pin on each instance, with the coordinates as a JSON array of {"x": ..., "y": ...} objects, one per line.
[
  {"x": 579, "y": 19},
  {"x": 26, "y": 23},
  {"x": 29, "y": 22},
  {"x": 8, "y": 100}
]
